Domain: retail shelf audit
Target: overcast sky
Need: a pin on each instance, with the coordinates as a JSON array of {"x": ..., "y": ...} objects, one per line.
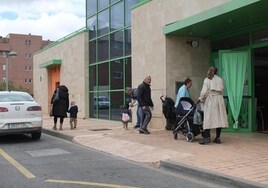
[{"x": 52, "y": 19}]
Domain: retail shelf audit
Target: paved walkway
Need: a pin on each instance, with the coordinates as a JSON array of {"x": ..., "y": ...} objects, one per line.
[{"x": 241, "y": 156}]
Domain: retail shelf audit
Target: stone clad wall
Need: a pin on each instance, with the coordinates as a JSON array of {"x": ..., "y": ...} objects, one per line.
[
  {"x": 73, "y": 53},
  {"x": 167, "y": 58}
]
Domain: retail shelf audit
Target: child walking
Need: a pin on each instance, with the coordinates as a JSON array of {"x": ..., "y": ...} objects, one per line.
[
  {"x": 126, "y": 114},
  {"x": 73, "y": 115}
]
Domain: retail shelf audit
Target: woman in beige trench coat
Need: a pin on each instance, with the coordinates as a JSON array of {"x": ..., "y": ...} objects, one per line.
[{"x": 214, "y": 107}]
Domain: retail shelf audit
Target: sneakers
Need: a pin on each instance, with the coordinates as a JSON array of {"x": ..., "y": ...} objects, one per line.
[
  {"x": 136, "y": 127},
  {"x": 217, "y": 140},
  {"x": 204, "y": 141},
  {"x": 144, "y": 131}
]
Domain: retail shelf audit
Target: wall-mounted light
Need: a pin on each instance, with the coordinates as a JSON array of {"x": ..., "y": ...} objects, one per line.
[{"x": 193, "y": 43}]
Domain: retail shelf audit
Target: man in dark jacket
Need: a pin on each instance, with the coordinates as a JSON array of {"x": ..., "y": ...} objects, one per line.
[
  {"x": 61, "y": 106},
  {"x": 145, "y": 101}
]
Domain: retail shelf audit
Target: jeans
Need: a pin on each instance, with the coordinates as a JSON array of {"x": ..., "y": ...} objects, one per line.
[
  {"x": 147, "y": 117},
  {"x": 139, "y": 114}
]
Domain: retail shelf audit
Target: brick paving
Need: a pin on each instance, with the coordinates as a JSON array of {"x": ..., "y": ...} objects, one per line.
[{"x": 241, "y": 155}]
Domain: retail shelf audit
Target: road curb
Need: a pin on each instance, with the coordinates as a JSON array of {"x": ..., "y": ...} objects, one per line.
[
  {"x": 58, "y": 134},
  {"x": 214, "y": 177}
]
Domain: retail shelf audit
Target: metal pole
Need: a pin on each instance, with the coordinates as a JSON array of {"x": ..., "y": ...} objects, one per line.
[{"x": 6, "y": 55}]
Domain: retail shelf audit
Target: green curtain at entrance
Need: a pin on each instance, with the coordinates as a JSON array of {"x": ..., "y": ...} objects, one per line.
[{"x": 234, "y": 65}]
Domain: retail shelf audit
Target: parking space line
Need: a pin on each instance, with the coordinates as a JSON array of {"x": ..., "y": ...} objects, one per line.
[
  {"x": 88, "y": 183},
  {"x": 17, "y": 165}
]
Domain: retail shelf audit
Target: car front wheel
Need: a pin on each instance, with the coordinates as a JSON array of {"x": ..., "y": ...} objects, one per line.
[{"x": 36, "y": 135}]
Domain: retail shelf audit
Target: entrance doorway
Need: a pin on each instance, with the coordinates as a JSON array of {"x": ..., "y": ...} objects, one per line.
[{"x": 261, "y": 87}]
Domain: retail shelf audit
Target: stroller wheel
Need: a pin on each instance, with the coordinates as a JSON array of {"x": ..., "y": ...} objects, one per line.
[
  {"x": 189, "y": 137},
  {"x": 175, "y": 135}
]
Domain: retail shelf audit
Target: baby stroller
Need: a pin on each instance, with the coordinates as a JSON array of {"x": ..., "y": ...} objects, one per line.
[
  {"x": 187, "y": 124},
  {"x": 168, "y": 111}
]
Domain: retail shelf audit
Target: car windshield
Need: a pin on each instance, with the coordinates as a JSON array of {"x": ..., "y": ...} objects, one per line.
[
  {"x": 14, "y": 97},
  {"x": 103, "y": 99}
]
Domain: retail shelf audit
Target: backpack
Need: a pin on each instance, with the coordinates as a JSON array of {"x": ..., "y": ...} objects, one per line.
[
  {"x": 56, "y": 97},
  {"x": 125, "y": 117},
  {"x": 134, "y": 93}
]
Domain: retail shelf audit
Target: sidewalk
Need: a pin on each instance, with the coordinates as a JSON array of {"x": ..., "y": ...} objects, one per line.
[{"x": 241, "y": 159}]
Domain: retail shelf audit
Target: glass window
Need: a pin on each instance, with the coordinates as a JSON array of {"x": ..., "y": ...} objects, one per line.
[
  {"x": 129, "y": 4},
  {"x": 117, "y": 99},
  {"x": 92, "y": 78},
  {"x": 128, "y": 41},
  {"x": 103, "y": 4},
  {"x": 260, "y": 36},
  {"x": 117, "y": 74},
  {"x": 103, "y": 48},
  {"x": 116, "y": 44},
  {"x": 91, "y": 26},
  {"x": 230, "y": 43},
  {"x": 91, "y": 7},
  {"x": 103, "y": 76},
  {"x": 103, "y": 22},
  {"x": 113, "y": 1},
  {"x": 92, "y": 51},
  {"x": 28, "y": 42},
  {"x": 117, "y": 16},
  {"x": 128, "y": 72},
  {"x": 93, "y": 108},
  {"x": 103, "y": 104}
]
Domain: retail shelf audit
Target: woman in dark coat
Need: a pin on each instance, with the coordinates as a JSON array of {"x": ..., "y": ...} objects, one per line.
[{"x": 60, "y": 105}]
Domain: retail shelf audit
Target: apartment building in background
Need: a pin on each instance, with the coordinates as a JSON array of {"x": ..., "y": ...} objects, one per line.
[{"x": 20, "y": 67}]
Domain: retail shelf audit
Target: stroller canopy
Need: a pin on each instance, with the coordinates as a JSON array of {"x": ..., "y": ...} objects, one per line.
[{"x": 186, "y": 103}]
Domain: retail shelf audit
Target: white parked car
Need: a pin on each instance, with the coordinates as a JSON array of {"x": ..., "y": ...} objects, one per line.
[
  {"x": 103, "y": 102},
  {"x": 19, "y": 114}
]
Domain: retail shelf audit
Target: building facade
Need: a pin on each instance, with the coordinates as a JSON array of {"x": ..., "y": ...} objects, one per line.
[
  {"x": 63, "y": 62},
  {"x": 171, "y": 40},
  {"x": 20, "y": 68},
  {"x": 179, "y": 39}
]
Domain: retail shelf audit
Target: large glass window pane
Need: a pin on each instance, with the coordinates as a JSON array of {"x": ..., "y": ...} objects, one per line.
[
  {"x": 102, "y": 104},
  {"x": 128, "y": 73},
  {"x": 103, "y": 48},
  {"x": 117, "y": 99},
  {"x": 116, "y": 49},
  {"x": 113, "y": 1},
  {"x": 103, "y": 4},
  {"x": 260, "y": 36},
  {"x": 117, "y": 16},
  {"x": 92, "y": 78},
  {"x": 129, "y": 4},
  {"x": 230, "y": 43},
  {"x": 103, "y": 22},
  {"x": 91, "y": 26},
  {"x": 91, "y": 7},
  {"x": 92, "y": 52},
  {"x": 103, "y": 76},
  {"x": 117, "y": 77},
  {"x": 128, "y": 41},
  {"x": 93, "y": 108}
]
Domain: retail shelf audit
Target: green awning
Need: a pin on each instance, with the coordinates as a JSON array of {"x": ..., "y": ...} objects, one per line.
[
  {"x": 230, "y": 16},
  {"x": 51, "y": 63}
]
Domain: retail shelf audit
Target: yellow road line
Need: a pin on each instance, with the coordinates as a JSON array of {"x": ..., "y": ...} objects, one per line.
[
  {"x": 23, "y": 170},
  {"x": 88, "y": 183}
]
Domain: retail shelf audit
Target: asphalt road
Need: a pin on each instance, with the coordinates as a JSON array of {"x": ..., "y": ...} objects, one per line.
[{"x": 53, "y": 162}]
